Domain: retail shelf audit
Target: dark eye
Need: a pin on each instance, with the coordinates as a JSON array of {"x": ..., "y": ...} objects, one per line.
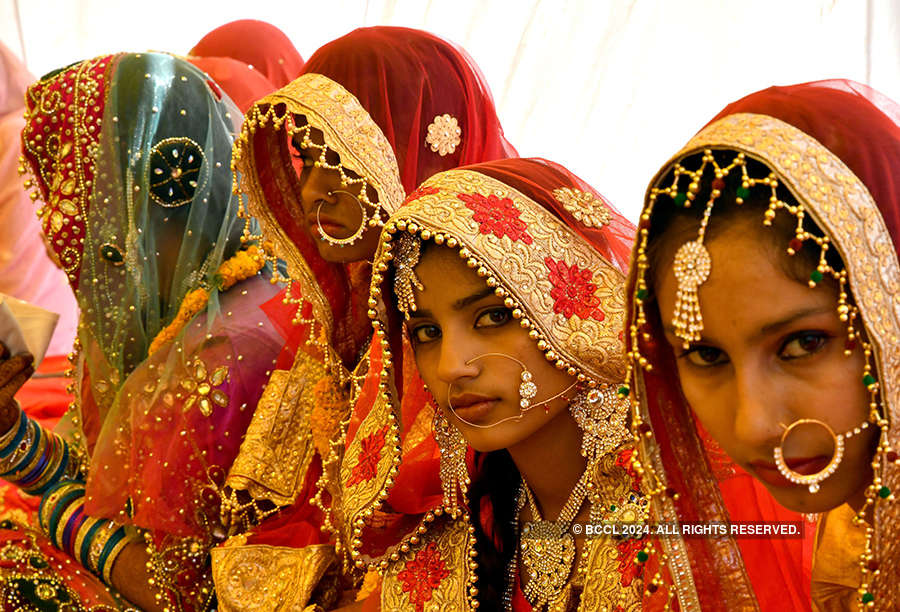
[
  {"x": 705, "y": 356},
  {"x": 495, "y": 317},
  {"x": 423, "y": 334},
  {"x": 803, "y": 344}
]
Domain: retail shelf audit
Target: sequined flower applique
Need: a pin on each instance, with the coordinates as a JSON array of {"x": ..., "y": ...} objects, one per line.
[
  {"x": 421, "y": 192},
  {"x": 497, "y": 216},
  {"x": 444, "y": 134},
  {"x": 200, "y": 384},
  {"x": 175, "y": 165},
  {"x": 585, "y": 207},
  {"x": 573, "y": 291}
]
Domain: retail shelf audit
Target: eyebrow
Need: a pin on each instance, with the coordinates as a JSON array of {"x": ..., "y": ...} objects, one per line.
[
  {"x": 458, "y": 304},
  {"x": 775, "y": 326}
]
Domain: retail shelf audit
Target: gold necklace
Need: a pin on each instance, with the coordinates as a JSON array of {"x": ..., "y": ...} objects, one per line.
[{"x": 548, "y": 548}]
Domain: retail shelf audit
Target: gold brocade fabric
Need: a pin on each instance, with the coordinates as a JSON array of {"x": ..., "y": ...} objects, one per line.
[
  {"x": 267, "y": 578},
  {"x": 835, "y": 572},
  {"x": 278, "y": 445}
]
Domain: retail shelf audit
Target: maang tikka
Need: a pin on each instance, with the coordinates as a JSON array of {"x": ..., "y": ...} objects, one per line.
[{"x": 692, "y": 262}]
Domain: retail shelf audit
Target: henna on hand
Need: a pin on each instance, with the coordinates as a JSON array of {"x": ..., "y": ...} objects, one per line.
[{"x": 14, "y": 372}]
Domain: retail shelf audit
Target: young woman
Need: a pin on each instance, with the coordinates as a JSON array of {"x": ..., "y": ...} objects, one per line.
[
  {"x": 130, "y": 156},
  {"x": 763, "y": 307},
  {"x": 507, "y": 278},
  {"x": 323, "y": 162}
]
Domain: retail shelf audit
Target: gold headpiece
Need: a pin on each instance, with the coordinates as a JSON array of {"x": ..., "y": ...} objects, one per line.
[
  {"x": 405, "y": 279},
  {"x": 692, "y": 263}
]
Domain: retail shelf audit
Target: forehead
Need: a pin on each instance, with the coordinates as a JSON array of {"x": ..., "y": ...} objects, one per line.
[
  {"x": 747, "y": 287},
  {"x": 445, "y": 278}
]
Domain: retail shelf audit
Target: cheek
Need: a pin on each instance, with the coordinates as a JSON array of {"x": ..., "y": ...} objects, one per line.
[{"x": 426, "y": 364}]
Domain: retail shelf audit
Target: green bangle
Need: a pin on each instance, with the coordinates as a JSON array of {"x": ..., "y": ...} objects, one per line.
[
  {"x": 111, "y": 545},
  {"x": 64, "y": 502}
]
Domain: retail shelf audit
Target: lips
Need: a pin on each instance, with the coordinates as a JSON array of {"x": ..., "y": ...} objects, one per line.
[
  {"x": 768, "y": 471},
  {"x": 331, "y": 226},
  {"x": 472, "y": 407}
]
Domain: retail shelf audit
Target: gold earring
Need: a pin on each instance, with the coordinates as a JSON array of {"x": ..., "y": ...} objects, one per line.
[
  {"x": 601, "y": 414},
  {"x": 453, "y": 470}
]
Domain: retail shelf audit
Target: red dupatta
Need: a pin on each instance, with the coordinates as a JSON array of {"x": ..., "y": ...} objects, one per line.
[{"x": 843, "y": 138}]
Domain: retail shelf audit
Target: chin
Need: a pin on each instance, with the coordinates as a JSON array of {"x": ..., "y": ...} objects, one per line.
[{"x": 799, "y": 499}]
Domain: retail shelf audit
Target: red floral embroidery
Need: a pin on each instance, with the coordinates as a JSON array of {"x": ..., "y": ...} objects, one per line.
[
  {"x": 497, "y": 216},
  {"x": 367, "y": 463},
  {"x": 422, "y": 575},
  {"x": 573, "y": 291},
  {"x": 628, "y": 568},
  {"x": 420, "y": 192}
]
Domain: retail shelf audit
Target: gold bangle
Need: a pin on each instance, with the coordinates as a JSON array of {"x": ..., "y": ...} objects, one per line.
[
  {"x": 23, "y": 470},
  {"x": 98, "y": 544},
  {"x": 113, "y": 556},
  {"x": 64, "y": 519},
  {"x": 27, "y": 440},
  {"x": 79, "y": 538},
  {"x": 50, "y": 501}
]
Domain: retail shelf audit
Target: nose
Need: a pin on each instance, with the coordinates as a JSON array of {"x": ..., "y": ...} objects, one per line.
[
  {"x": 455, "y": 362},
  {"x": 761, "y": 406},
  {"x": 315, "y": 190}
]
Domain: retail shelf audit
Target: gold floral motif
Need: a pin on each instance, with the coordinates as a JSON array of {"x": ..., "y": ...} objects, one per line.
[
  {"x": 201, "y": 384},
  {"x": 585, "y": 207},
  {"x": 267, "y": 578},
  {"x": 521, "y": 267},
  {"x": 842, "y": 206},
  {"x": 444, "y": 134},
  {"x": 278, "y": 446},
  {"x": 357, "y": 499}
]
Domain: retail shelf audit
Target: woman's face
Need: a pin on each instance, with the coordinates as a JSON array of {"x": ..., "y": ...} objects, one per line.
[
  {"x": 458, "y": 321},
  {"x": 771, "y": 353},
  {"x": 338, "y": 214}
]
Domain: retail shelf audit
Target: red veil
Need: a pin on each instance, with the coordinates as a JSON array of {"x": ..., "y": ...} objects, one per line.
[
  {"x": 248, "y": 59},
  {"x": 405, "y": 78},
  {"x": 860, "y": 127},
  {"x": 255, "y": 43}
]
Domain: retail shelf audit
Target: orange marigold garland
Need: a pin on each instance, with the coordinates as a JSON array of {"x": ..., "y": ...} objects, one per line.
[{"x": 241, "y": 266}]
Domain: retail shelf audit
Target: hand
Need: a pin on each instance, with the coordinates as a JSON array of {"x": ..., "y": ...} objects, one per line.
[{"x": 14, "y": 372}]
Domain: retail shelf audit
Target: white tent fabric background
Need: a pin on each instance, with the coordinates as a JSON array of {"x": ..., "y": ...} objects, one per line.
[{"x": 610, "y": 88}]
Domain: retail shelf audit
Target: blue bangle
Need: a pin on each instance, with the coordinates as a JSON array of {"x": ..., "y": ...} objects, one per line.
[
  {"x": 34, "y": 475},
  {"x": 60, "y": 470},
  {"x": 31, "y": 452},
  {"x": 85, "y": 552},
  {"x": 61, "y": 505}
]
